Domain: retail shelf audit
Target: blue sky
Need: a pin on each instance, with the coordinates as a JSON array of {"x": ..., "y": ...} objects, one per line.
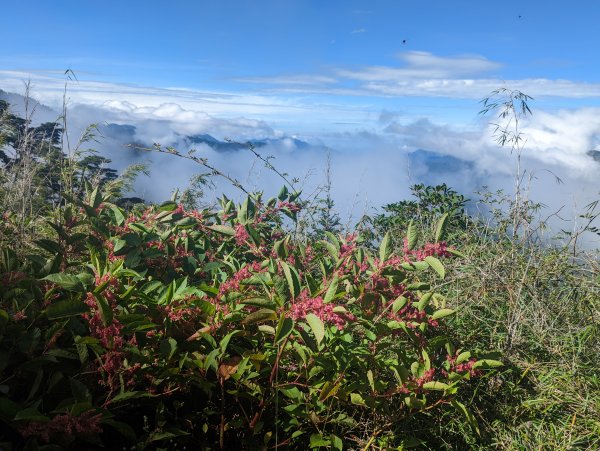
[
  {"x": 335, "y": 52},
  {"x": 370, "y": 78}
]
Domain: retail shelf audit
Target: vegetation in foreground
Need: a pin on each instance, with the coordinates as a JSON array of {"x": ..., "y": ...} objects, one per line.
[{"x": 163, "y": 327}]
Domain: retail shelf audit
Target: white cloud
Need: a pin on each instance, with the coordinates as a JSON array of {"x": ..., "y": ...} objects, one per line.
[{"x": 423, "y": 65}]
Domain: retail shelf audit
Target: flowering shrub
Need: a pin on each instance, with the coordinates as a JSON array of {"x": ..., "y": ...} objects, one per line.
[{"x": 218, "y": 328}]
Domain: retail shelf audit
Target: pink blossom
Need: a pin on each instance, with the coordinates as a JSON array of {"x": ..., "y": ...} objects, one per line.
[{"x": 64, "y": 425}]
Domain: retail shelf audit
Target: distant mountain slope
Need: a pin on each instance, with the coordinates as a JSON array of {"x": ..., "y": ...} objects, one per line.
[
  {"x": 41, "y": 112},
  {"x": 126, "y": 134}
]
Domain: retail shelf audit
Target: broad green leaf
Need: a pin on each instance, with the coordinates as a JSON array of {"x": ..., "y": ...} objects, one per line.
[
  {"x": 414, "y": 266},
  {"x": 385, "y": 248},
  {"x": 435, "y": 385},
  {"x": 399, "y": 303},
  {"x": 65, "y": 309},
  {"x": 126, "y": 396},
  {"x": 223, "y": 229},
  {"x": 316, "y": 326},
  {"x": 328, "y": 390},
  {"x": 30, "y": 414},
  {"x": 442, "y": 313},
  {"x": 370, "y": 379},
  {"x": 414, "y": 403},
  {"x": 331, "y": 290},
  {"x": 106, "y": 312},
  {"x": 66, "y": 281},
  {"x": 463, "y": 357},
  {"x": 486, "y": 363},
  {"x": 412, "y": 235},
  {"x": 259, "y": 302},
  {"x": 436, "y": 265},
  {"x": 284, "y": 328},
  {"x": 418, "y": 286},
  {"x": 440, "y": 228},
  {"x": 357, "y": 399},
  {"x": 118, "y": 214},
  {"x": 424, "y": 301},
  {"x": 260, "y": 316},
  {"x": 331, "y": 248},
  {"x": 292, "y": 278},
  {"x": 168, "y": 206},
  {"x": 467, "y": 414},
  {"x": 168, "y": 347}
]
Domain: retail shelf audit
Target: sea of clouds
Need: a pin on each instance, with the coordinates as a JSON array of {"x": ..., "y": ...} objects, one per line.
[{"x": 370, "y": 165}]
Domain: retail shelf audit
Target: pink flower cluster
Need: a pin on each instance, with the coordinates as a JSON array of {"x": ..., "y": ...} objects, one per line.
[
  {"x": 11, "y": 278},
  {"x": 293, "y": 207},
  {"x": 464, "y": 367},
  {"x": 304, "y": 304},
  {"x": 65, "y": 425},
  {"x": 241, "y": 234},
  {"x": 233, "y": 283},
  {"x": 429, "y": 250}
]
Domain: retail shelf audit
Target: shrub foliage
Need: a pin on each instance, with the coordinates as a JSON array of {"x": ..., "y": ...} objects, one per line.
[{"x": 219, "y": 328}]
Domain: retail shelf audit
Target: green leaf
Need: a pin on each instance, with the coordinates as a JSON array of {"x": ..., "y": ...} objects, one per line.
[
  {"x": 317, "y": 326},
  {"x": 370, "y": 379},
  {"x": 223, "y": 229},
  {"x": 260, "y": 316},
  {"x": 30, "y": 414},
  {"x": 399, "y": 303},
  {"x": 168, "y": 347},
  {"x": 415, "y": 266},
  {"x": 463, "y": 356},
  {"x": 486, "y": 363},
  {"x": 106, "y": 312},
  {"x": 66, "y": 281},
  {"x": 412, "y": 235},
  {"x": 440, "y": 228},
  {"x": 357, "y": 399},
  {"x": 118, "y": 214},
  {"x": 455, "y": 252},
  {"x": 332, "y": 290},
  {"x": 424, "y": 301},
  {"x": 460, "y": 407},
  {"x": 331, "y": 248},
  {"x": 259, "y": 302},
  {"x": 436, "y": 265},
  {"x": 435, "y": 385},
  {"x": 292, "y": 278},
  {"x": 66, "y": 309},
  {"x": 126, "y": 396},
  {"x": 385, "y": 248},
  {"x": 317, "y": 441},
  {"x": 328, "y": 390},
  {"x": 442, "y": 313},
  {"x": 284, "y": 328},
  {"x": 168, "y": 206}
]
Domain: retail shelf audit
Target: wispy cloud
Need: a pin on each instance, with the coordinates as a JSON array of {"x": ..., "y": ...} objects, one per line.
[
  {"x": 423, "y": 65},
  {"x": 358, "y": 30}
]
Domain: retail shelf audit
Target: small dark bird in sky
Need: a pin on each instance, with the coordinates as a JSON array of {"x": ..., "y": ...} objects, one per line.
[
  {"x": 520, "y": 17},
  {"x": 403, "y": 41}
]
